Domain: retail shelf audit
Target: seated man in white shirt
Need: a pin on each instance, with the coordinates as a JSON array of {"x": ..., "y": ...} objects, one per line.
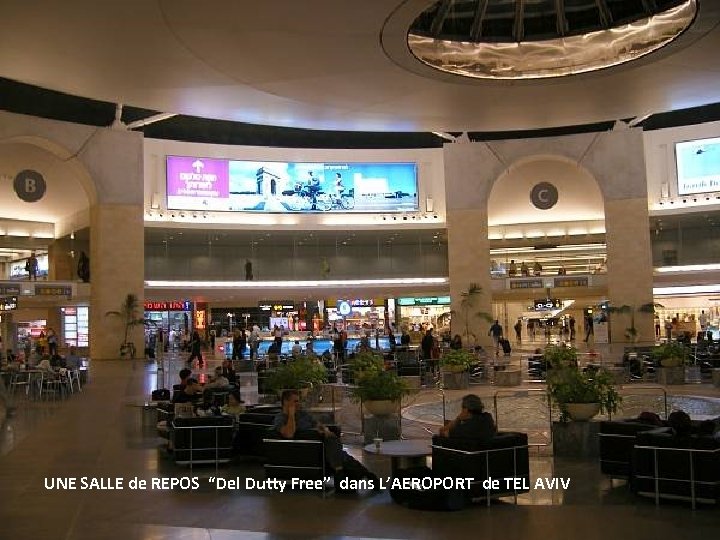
[
  {"x": 296, "y": 349},
  {"x": 219, "y": 380}
]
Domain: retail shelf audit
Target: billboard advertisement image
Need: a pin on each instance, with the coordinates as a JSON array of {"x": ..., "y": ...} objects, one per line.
[
  {"x": 281, "y": 187},
  {"x": 698, "y": 166}
]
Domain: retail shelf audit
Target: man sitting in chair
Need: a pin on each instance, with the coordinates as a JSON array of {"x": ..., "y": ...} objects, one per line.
[
  {"x": 294, "y": 423},
  {"x": 471, "y": 423}
]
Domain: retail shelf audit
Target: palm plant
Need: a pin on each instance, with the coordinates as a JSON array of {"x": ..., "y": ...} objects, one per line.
[
  {"x": 130, "y": 312},
  {"x": 467, "y": 306},
  {"x": 631, "y": 332}
]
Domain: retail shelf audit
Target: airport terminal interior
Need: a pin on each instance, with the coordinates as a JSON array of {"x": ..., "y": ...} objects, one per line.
[{"x": 391, "y": 269}]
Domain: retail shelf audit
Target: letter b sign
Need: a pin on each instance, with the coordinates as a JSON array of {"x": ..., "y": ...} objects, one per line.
[{"x": 29, "y": 185}]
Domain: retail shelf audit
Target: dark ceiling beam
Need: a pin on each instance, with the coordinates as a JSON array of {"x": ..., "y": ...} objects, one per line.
[
  {"x": 561, "y": 24},
  {"x": 519, "y": 27},
  {"x": 440, "y": 16},
  {"x": 605, "y": 14},
  {"x": 476, "y": 28}
]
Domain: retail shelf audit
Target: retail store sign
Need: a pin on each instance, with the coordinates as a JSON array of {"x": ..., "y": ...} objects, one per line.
[
  {"x": 8, "y": 303},
  {"x": 176, "y": 305},
  {"x": 29, "y": 185},
  {"x": 424, "y": 301},
  {"x": 344, "y": 308},
  {"x": 53, "y": 290},
  {"x": 526, "y": 284},
  {"x": 571, "y": 282}
]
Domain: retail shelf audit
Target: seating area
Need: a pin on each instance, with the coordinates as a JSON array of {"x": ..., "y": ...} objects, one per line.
[
  {"x": 660, "y": 464},
  {"x": 51, "y": 384}
]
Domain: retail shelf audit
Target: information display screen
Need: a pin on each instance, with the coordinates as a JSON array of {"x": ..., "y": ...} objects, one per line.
[
  {"x": 698, "y": 166},
  {"x": 198, "y": 184}
]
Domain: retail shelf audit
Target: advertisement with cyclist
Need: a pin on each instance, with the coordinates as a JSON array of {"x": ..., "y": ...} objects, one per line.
[{"x": 280, "y": 187}]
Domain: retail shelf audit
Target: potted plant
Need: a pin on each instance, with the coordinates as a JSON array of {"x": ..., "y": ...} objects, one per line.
[
  {"x": 467, "y": 305},
  {"x": 580, "y": 395},
  {"x": 299, "y": 374},
  {"x": 366, "y": 362},
  {"x": 456, "y": 360},
  {"x": 672, "y": 358},
  {"x": 130, "y": 313},
  {"x": 380, "y": 392},
  {"x": 631, "y": 333}
]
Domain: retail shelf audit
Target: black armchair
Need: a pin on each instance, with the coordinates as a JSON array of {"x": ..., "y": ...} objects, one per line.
[
  {"x": 202, "y": 439},
  {"x": 505, "y": 455}
]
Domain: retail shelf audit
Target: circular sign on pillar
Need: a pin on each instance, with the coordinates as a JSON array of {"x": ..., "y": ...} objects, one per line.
[
  {"x": 544, "y": 195},
  {"x": 29, "y": 185}
]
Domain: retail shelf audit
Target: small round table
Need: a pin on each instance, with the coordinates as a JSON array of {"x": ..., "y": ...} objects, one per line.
[{"x": 404, "y": 454}]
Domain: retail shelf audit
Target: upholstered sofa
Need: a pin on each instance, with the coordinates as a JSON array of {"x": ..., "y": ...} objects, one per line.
[{"x": 665, "y": 466}]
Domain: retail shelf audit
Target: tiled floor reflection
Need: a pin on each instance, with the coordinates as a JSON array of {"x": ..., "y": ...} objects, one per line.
[{"x": 99, "y": 433}]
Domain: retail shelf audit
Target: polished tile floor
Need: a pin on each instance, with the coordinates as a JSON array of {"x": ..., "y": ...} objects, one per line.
[{"x": 99, "y": 434}]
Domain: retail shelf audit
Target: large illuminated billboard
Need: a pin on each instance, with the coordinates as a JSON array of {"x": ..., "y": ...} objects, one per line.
[
  {"x": 280, "y": 187},
  {"x": 698, "y": 166}
]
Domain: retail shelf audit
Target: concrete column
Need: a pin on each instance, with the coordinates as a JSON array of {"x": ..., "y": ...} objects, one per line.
[
  {"x": 629, "y": 264},
  {"x": 469, "y": 262},
  {"x": 117, "y": 255},
  {"x": 60, "y": 261}
]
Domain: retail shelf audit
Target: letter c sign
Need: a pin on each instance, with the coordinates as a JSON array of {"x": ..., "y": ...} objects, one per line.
[
  {"x": 544, "y": 196},
  {"x": 29, "y": 185}
]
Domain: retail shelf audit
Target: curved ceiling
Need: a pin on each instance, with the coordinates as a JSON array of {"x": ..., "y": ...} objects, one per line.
[{"x": 321, "y": 65}]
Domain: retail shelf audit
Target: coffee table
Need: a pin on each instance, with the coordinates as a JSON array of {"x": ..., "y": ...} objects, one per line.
[{"x": 403, "y": 454}]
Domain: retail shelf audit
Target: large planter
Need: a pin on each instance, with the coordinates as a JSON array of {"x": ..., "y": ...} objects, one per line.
[
  {"x": 455, "y": 380},
  {"x": 671, "y": 375},
  {"x": 383, "y": 407},
  {"x": 453, "y": 368},
  {"x": 582, "y": 412}
]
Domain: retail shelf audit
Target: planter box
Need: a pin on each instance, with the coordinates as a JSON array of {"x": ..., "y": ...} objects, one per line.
[
  {"x": 455, "y": 381},
  {"x": 508, "y": 377},
  {"x": 576, "y": 439},
  {"x": 671, "y": 375},
  {"x": 693, "y": 375}
]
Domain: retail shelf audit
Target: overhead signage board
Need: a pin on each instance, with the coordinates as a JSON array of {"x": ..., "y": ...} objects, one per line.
[
  {"x": 9, "y": 289},
  {"x": 526, "y": 284},
  {"x": 290, "y": 188},
  {"x": 424, "y": 301},
  {"x": 571, "y": 282},
  {"x": 276, "y": 305},
  {"x": 547, "y": 304},
  {"x": 53, "y": 290}
]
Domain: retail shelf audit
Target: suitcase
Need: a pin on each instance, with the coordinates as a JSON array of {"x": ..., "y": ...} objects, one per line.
[{"x": 161, "y": 394}]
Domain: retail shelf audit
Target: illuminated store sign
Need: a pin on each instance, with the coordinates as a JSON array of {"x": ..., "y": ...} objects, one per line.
[
  {"x": 424, "y": 301},
  {"x": 176, "y": 305},
  {"x": 698, "y": 166},
  {"x": 286, "y": 187}
]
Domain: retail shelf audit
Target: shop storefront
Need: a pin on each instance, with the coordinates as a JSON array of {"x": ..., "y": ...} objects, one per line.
[
  {"x": 688, "y": 313},
  {"x": 284, "y": 314},
  {"x": 414, "y": 312},
  {"x": 173, "y": 317},
  {"x": 356, "y": 315}
]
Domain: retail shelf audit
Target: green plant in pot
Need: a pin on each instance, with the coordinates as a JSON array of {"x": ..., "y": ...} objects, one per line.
[
  {"x": 365, "y": 363},
  {"x": 299, "y": 374},
  {"x": 130, "y": 311},
  {"x": 579, "y": 395},
  {"x": 672, "y": 358},
  {"x": 468, "y": 299},
  {"x": 380, "y": 392},
  {"x": 456, "y": 360}
]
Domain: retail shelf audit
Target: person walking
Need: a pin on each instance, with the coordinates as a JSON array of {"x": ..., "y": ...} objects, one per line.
[
  {"x": 571, "y": 322},
  {"x": 31, "y": 267},
  {"x": 195, "y": 352},
  {"x": 518, "y": 330},
  {"x": 496, "y": 331},
  {"x": 589, "y": 331}
]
